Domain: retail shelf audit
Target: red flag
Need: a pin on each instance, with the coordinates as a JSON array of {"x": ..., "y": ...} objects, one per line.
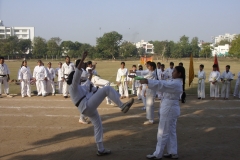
[{"x": 216, "y": 62}]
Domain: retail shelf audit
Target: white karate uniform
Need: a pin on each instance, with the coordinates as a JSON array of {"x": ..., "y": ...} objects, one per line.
[
  {"x": 89, "y": 104},
  {"x": 25, "y": 76},
  {"x": 133, "y": 81},
  {"x": 169, "y": 72},
  {"x": 162, "y": 75},
  {"x": 4, "y": 71},
  {"x": 40, "y": 73},
  {"x": 150, "y": 97},
  {"x": 122, "y": 78},
  {"x": 226, "y": 77},
  {"x": 99, "y": 82},
  {"x": 66, "y": 70},
  {"x": 142, "y": 73},
  {"x": 236, "y": 89},
  {"x": 58, "y": 72},
  {"x": 169, "y": 112},
  {"x": 50, "y": 81},
  {"x": 201, "y": 84},
  {"x": 214, "y": 88}
]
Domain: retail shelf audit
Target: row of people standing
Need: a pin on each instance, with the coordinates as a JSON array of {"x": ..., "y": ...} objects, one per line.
[{"x": 215, "y": 79}]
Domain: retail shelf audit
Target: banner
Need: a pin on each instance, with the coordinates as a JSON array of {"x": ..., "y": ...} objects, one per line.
[
  {"x": 216, "y": 62},
  {"x": 144, "y": 59},
  {"x": 191, "y": 71}
]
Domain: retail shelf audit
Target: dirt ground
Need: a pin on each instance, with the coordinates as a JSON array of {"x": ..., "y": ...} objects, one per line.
[{"x": 47, "y": 128}]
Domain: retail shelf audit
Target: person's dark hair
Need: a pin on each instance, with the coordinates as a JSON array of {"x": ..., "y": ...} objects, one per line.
[
  {"x": 67, "y": 57},
  {"x": 23, "y": 62},
  {"x": 171, "y": 64},
  {"x": 163, "y": 65},
  {"x": 70, "y": 78},
  {"x": 39, "y": 61},
  {"x": 1, "y": 57},
  {"x": 228, "y": 66},
  {"x": 60, "y": 63},
  {"x": 159, "y": 63},
  {"x": 180, "y": 64},
  {"x": 140, "y": 67},
  {"x": 148, "y": 62},
  {"x": 215, "y": 66},
  {"x": 123, "y": 63},
  {"x": 78, "y": 61},
  {"x": 134, "y": 66},
  {"x": 153, "y": 64},
  {"x": 89, "y": 62},
  {"x": 201, "y": 65},
  {"x": 49, "y": 63},
  {"x": 181, "y": 70}
]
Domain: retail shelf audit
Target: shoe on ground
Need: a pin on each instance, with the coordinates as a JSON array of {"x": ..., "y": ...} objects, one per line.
[
  {"x": 172, "y": 156},
  {"x": 103, "y": 153},
  {"x": 112, "y": 104},
  {"x": 9, "y": 96},
  {"x": 151, "y": 156},
  {"x": 83, "y": 121},
  {"x": 148, "y": 122},
  {"x": 126, "y": 106},
  {"x": 65, "y": 96},
  {"x": 39, "y": 94},
  {"x": 44, "y": 95}
]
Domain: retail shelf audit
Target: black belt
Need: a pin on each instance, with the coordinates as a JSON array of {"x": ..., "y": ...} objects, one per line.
[{"x": 77, "y": 104}]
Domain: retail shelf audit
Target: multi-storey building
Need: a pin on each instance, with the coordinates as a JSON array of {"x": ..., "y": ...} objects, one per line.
[
  {"x": 20, "y": 32},
  {"x": 149, "y": 48}
]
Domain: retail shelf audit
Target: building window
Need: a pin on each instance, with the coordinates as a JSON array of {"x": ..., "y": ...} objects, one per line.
[
  {"x": 24, "y": 30},
  {"x": 2, "y": 36},
  {"x": 1, "y": 31},
  {"x": 24, "y": 35},
  {"x": 7, "y": 30},
  {"x": 16, "y": 30}
]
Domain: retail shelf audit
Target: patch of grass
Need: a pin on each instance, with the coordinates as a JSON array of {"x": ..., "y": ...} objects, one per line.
[{"x": 108, "y": 70}]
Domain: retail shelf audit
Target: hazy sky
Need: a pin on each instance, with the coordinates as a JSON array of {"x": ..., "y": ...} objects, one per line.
[{"x": 81, "y": 20}]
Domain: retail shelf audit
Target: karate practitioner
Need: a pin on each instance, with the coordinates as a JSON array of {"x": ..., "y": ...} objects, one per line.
[
  {"x": 87, "y": 103},
  {"x": 40, "y": 77},
  {"x": 170, "y": 70},
  {"x": 50, "y": 82},
  {"x": 169, "y": 112},
  {"x": 122, "y": 81},
  {"x": 236, "y": 89},
  {"x": 226, "y": 79},
  {"x": 132, "y": 80},
  {"x": 4, "y": 78},
  {"x": 201, "y": 82},
  {"x": 214, "y": 77},
  {"x": 163, "y": 75},
  {"x": 25, "y": 77},
  {"x": 96, "y": 80},
  {"x": 67, "y": 68},
  {"x": 58, "y": 72},
  {"x": 149, "y": 93},
  {"x": 144, "y": 86}
]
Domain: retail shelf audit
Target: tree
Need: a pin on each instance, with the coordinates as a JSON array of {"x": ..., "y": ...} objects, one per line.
[
  {"x": 109, "y": 43},
  {"x": 24, "y": 45},
  {"x": 235, "y": 46},
  {"x": 128, "y": 49},
  {"x": 57, "y": 40},
  {"x": 195, "y": 49},
  {"x": 52, "y": 48},
  {"x": 160, "y": 48},
  {"x": 39, "y": 47},
  {"x": 184, "y": 47},
  {"x": 206, "y": 50}
]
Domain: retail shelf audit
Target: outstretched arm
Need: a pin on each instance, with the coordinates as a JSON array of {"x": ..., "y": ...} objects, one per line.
[{"x": 82, "y": 60}]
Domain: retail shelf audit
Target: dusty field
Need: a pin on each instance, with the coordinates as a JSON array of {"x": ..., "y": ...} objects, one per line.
[{"x": 48, "y": 128}]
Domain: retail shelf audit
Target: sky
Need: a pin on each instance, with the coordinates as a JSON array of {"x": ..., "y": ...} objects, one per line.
[{"x": 85, "y": 20}]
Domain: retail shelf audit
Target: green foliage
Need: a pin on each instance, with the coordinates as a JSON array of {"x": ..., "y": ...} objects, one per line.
[
  {"x": 39, "y": 47},
  {"x": 206, "y": 50},
  {"x": 108, "y": 45},
  {"x": 223, "y": 42},
  {"x": 235, "y": 47},
  {"x": 128, "y": 49}
]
